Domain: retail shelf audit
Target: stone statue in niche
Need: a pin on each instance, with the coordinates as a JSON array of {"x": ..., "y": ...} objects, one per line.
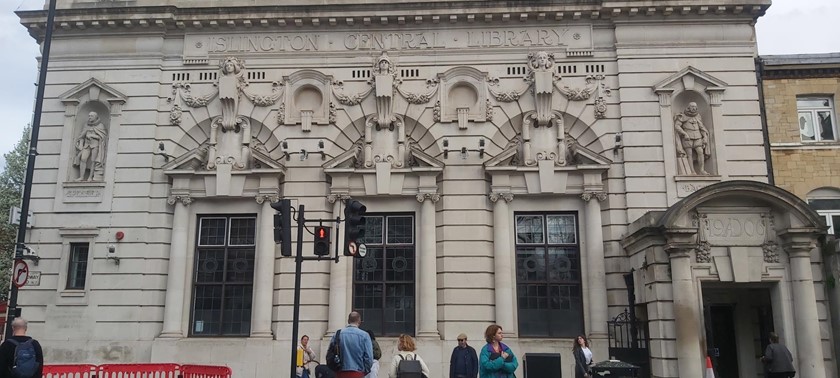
[
  {"x": 90, "y": 149},
  {"x": 694, "y": 146}
]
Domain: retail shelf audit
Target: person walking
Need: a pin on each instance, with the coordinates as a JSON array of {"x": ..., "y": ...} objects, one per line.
[
  {"x": 778, "y": 359},
  {"x": 583, "y": 357},
  {"x": 464, "y": 360},
  {"x": 305, "y": 357},
  {"x": 21, "y": 356},
  {"x": 407, "y": 352},
  {"x": 496, "y": 360},
  {"x": 377, "y": 354},
  {"x": 355, "y": 349}
]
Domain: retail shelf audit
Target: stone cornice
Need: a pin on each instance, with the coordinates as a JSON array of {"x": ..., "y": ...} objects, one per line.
[{"x": 292, "y": 18}]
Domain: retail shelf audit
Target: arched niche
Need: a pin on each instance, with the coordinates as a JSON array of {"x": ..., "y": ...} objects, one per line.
[{"x": 463, "y": 96}]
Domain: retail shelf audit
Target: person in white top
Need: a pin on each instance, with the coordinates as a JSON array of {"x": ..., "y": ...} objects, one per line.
[
  {"x": 583, "y": 357},
  {"x": 407, "y": 351}
]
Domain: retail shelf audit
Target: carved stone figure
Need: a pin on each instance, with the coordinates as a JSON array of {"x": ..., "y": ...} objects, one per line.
[
  {"x": 90, "y": 147},
  {"x": 230, "y": 83},
  {"x": 541, "y": 64},
  {"x": 693, "y": 147},
  {"x": 384, "y": 74}
]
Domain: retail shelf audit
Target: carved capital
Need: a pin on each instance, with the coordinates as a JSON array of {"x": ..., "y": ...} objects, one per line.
[
  {"x": 495, "y": 196},
  {"x": 434, "y": 197},
  {"x": 184, "y": 199},
  {"x": 333, "y": 198},
  {"x": 600, "y": 196},
  {"x": 271, "y": 198}
]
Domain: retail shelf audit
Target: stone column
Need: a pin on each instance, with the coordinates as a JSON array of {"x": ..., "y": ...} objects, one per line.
[
  {"x": 597, "y": 282},
  {"x": 686, "y": 313},
  {"x": 427, "y": 266},
  {"x": 338, "y": 277},
  {"x": 805, "y": 319},
  {"x": 264, "y": 269},
  {"x": 503, "y": 263},
  {"x": 176, "y": 279}
]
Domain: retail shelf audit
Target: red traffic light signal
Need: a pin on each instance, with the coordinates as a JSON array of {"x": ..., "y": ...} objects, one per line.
[{"x": 322, "y": 241}]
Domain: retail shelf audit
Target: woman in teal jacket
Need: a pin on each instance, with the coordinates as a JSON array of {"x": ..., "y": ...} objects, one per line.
[{"x": 497, "y": 360}]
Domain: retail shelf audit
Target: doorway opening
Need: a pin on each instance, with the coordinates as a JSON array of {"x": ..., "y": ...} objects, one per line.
[{"x": 738, "y": 320}]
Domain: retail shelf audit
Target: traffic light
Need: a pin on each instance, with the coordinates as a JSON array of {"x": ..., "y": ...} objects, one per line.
[
  {"x": 322, "y": 241},
  {"x": 354, "y": 228},
  {"x": 283, "y": 226}
]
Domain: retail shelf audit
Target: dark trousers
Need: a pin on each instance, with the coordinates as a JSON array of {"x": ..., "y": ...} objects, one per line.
[{"x": 780, "y": 375}]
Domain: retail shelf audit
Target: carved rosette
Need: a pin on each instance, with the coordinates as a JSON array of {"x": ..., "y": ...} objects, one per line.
[
  {"x": 600, "y": 108},
  {"x": 434, "y": 197},
  {"x": 703, "y": 253},
  {"x": 271, "y": 198},
  {"x": 185, "y": 199},
  {"x": 771, "y": 251},
  {"x": 175, "y": 115},
  {"x": 506, "y": 196}
]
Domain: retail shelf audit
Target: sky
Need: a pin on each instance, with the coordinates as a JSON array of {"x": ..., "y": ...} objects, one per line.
[{"x": 789, "y": 27}]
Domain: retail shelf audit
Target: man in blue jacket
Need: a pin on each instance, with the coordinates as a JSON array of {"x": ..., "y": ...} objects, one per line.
[
  {"x": 464, "y": 361},
  {"x": 356, "y": 349}
]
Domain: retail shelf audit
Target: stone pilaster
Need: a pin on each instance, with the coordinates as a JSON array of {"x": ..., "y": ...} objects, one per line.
[
  {"x": 264, "y": 269},
  {"x": 597, "y": 278},
  {"x": 690, "y": 356},
  {"x": 805, "y": 319},
  {"x": 339, "y": 277},
  {"x": 502, "y": 259},
  {"x": 427, "y": 264},
  {"x": 176, "y": 280}
]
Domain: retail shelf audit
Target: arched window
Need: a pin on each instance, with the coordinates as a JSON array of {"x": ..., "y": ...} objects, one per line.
[{"x": 826, "y": 201}]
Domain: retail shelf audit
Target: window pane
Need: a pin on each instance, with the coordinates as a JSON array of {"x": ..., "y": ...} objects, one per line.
[
  {"x": 561, "y": 229},
  {"x": 835, "y": 223},
  {"x": 212, "y": 231},
  {"x": 529, "y": 229},
  {"x": 208, "y": 310},
  {"x": 825, "y": 204},
  {"x": 400, "y": 230},
  {"x": 240, "y": 266},
  {"x": 236, "y": 318},
  {"x": 563, "y": 265},
  {"x": 813, "y": 102},
  {"x": 530, "y": 264},
  {"x": 826, "y": 125},
  {"x": 210, "y": 266},
  {"x": 399, "y": 264},
  {"x": 371, "y": 267},
  {"x": 399, "y": 309},
  {"x": 806, "y": 126},
  {"x": 77, "y": 268},
  {"x": 242, "y": 231},
  {"x": 373, "y": 230}
]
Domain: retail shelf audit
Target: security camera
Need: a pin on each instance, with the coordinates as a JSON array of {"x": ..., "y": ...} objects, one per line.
[{"x": 112, "y": 254}]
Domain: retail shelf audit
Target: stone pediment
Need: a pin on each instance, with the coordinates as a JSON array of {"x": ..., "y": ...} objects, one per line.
[
  {"x": 93, "y": 89},
  {"x": 352, "y": 159},
  {"x": 687, "y": 79},
  {"x": 196, "y": 160},
  {"x": 579, "y": 156}
]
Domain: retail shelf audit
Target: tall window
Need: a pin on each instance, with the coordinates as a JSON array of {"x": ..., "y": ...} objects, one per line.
[
  {"x": 817, "y": 121},
  {"x": 224, "y": 276},
  {"x": 383, "y": 281},
  {"x": 77, "y": 268},
  {"x": 548, "y": 284},
  {"x": 830, "y": 209}
]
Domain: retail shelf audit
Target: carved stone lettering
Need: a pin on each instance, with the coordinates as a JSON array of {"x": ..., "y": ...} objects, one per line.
[{"x": 735, "y": 229}]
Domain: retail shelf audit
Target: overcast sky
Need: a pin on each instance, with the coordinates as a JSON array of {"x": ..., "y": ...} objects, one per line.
[{"x": 789, "y": 27}]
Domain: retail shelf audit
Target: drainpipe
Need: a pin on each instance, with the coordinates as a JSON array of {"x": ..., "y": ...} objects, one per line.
[{"x": 759, "y": 70}]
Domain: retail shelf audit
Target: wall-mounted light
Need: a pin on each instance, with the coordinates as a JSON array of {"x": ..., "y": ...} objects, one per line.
[
  {"x": 446, "y": 148},
  {"x": 303, "y": 152},
  {"x": 112, "y": 254}
]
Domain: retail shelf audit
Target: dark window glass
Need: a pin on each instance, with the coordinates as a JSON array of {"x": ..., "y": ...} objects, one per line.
[
  {"x": 224, "y": 277},
  {"x": 77, "y": 269},
  {"x": 548, "y": 279},
  {"x": 383, "y": 281}
]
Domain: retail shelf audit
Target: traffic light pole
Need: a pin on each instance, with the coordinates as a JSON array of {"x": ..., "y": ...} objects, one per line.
[{"x": 299, "y": 259}]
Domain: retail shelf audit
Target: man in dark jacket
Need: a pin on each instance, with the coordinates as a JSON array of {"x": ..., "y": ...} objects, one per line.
[
  {"x": 778, "y": 359},
  {"x": 7, "y": 350},
  {"x": 464, "y": 361}
]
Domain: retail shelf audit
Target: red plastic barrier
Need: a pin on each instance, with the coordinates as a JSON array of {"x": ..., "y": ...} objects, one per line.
[
  {"x": 139, "y": 371},
  {"x": 69, "y": 371},
  {"x": 205, "y": 371}
]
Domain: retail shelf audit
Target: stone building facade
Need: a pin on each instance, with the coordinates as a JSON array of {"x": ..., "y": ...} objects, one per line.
[
  {"x": 546, "y": 167},
  {"x": 800, "y": 100}
]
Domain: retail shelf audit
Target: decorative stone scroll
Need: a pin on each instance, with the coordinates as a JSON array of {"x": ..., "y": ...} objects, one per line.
[
  {"x": 271, "y": 198},
  {"x": 184, "y": 199},
  {"x": 434, "y": 197},
  {"x": 496, "y": 196}
]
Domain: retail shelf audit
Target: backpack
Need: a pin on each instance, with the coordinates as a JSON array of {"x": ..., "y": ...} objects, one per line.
[
  {"x": 25, "y": 365},
  {"x": 409, "y": 368},
  {"x": 334, "y": 353},
  {"x": 322, "y": 371}
]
